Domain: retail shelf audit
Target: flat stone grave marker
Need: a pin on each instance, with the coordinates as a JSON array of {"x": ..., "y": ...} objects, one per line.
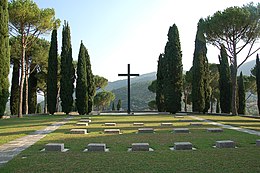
[
  {"x": 88, "y": 118},
  {"x": 82, "y": 124},
  {"x": 96, "y": 147},
  {"x": 196, "y": 124},
  {"x": 166, "y": 124},
  {"x": 140, "y": 147},
  {"x": 55, "y": 147},
  {"x": 225, "y": 144},
  {"x": 145, "y": 130},
  {"x": 79, "y": 131},
  {"x": 258, "y": 143},
  {"x": 110, "y": 124},
  {"x": 112, "y": 131},
  {"x": 182, "y": 146},
  {"x": 85, "y": 120},
  {"x": 138, "y": 124},
  {"x": 181, "y": 130},
  {"x": 180, "y": 114},
  {"x": 214, "y": 130}
]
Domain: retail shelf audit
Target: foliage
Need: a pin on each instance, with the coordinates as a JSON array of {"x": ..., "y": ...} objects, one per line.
[
  {"x": 103, "y": 99},
  {"x": 5, "y": 56},
  {"x": 119, "y": 104},
  {"x": 258, "y": 81},
  {"x": 153, "y": 86},
  {"x": 160, "y": 100},
  {"x": 52, "y": 74},
  {"x": 113, "y": 106},
  {"x": 100, "y": 82},
  {"x": 39, "y": 108},
  {"x": 32, "y": 93},
  {"x": 241, "y": 95},
  {"x": 81, "y": 84},
  {"x": 152, "y": 105},
  {"x": 225, "y": 86},
  {"x": 174, "y": 70},
  {"x": 67, "y": 71},
  {"x": 214, "y": 84},
  {"x": 187, "y": 88},
  {"x": 237, "y": 29},
  {"x": 199, "y": 71}
]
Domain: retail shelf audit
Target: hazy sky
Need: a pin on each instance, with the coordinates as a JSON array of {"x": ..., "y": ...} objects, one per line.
[{"x": 118, "y": 32}]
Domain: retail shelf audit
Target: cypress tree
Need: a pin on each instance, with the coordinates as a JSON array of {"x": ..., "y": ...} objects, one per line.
[
  {"x": 207, "y": 88},
  {"x": 159, "y": 87},
  {"x": 225, "y": 85},
  {"x": 32, "y": 93},
  {"x": 241, "y": 95},
  {"x": 52, "y": 89},
  {"x": 67, "y": 71},
  {"x": 81, "y": 84},
  {"x": 198, "y": 72},
  {"x": 90, "y": 83},
  {"x": 258, "y": 82},
  {"x": 4, "y": 56},
  {"x": 113, "y": 106},
  {"x": 173, "y": 77},
  {"x": 119, "y": 104},
  {"x": 14, "y": 97}
]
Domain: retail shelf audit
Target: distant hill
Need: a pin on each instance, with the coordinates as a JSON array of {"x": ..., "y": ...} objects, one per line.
[
  {"x": 122, "y": 83},
  {"x": 246, "y": 68}
]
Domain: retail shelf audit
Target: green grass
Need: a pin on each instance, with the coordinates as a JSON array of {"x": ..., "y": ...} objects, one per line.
[{"x": 245, "y": 158}]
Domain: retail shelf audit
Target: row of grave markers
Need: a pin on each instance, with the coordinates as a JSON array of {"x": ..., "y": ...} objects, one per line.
[{"x": 141, "y": 146}]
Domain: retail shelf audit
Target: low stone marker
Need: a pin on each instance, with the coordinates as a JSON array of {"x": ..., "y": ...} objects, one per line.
[
  {"x": 214, "y": 130},
  {"x": 55, "y": 147},
  {"x": 183, "y": 146},
  {"x": 96, "y": 147},
  {"x": 180, "y": 114},
  {"x": 78, "y": 131},
  {"x": 112, "y": 131},
  {"x": 110, "y": 124},
  {"x": 258, "y": 143},
  {"x": 138, "y": 124},
  {"x": 196, "y": 124},
  {"x": 181, "y": 130},
  {"x": 140, "y": 147},
  {"x": 166, "y": 124},
  {"x": 225, "y": 144},
  {"x": 145, "y": 130},
  {"x": 82, "y": 124},
  {"x": 85, "y": 120}
]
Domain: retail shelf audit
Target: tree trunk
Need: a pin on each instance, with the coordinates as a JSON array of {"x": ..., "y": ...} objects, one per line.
[
  {"x": 45, "y": 103},
  {"x": 20, "y": 111},
  {"x": 26, "y": 83}
]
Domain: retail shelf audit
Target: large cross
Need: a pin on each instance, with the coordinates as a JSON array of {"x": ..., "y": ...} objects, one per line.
[{"x": 128, "y": 86}]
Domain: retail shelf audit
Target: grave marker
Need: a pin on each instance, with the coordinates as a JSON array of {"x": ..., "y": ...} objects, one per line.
[
  {"x": 96, "y": 147},
  {"x": 225, "y": 144},
  {"x": 140, "y": 147},
  {"x": 145, "y": 130},
  {"x": 183, "y": 146}
]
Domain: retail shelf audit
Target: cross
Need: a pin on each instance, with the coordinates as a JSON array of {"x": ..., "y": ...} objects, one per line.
[{"x": 128, "y": 86}]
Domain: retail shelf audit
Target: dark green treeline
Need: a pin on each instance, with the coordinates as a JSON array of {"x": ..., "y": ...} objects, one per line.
[
  {"x": 67, "y": 71},
  {"x": 258, "y": 81},
  {"x": 200, "y": 72},
  {"x": 225, "y": 85},
  {"x": 169, "y": 74},
  {"x": 4, "y": 56},
  {"x": 52, "y": 74}
]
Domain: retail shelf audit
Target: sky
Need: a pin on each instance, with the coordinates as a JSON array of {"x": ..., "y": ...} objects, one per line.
[{"x": 121, "y": 32}]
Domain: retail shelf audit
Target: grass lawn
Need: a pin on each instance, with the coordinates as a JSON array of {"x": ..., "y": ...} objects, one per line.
[{"x": 245, "y": 158}]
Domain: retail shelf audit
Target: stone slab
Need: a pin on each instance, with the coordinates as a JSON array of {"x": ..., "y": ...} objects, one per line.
[
  {"x": 110, "y": 124},
  {"x": 96, "y": 147},
  {"x": 225, "y": 144},
  {"x": 166, "y": 124},
  {"x": 112, "y": 131},
  {"x": 183, "y": 146},
  {"x": 181, "y": 130},
  {"x": 54, "y": 147},
  {"x": 82, "y": 124},
  {"x": 145, "y": 130},
  {"x": 138, "y": 124},
  {"x": 258, "y": 143},
  {"x": 140, "y": 147},
  {"x": 79, "y": 131},
  {"x": 214, "y": 130},
  {"x": 181, "y": 114},
  {"x": 85, "y": 120},
  {"x": 196, "y": 124}
]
